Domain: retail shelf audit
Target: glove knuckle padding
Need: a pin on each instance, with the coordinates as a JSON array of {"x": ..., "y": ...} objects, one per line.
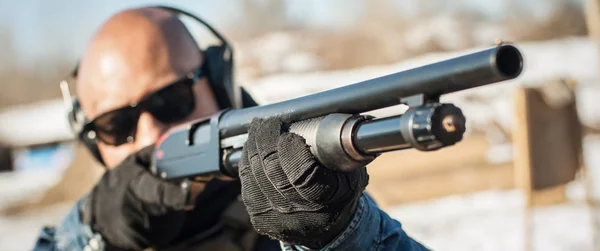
[
  {"x": 312, "y": 181},
  {"x": 159, "y": 196},
  {"x": 265, "y": 134},
  {"x": 252, "y": 196}
]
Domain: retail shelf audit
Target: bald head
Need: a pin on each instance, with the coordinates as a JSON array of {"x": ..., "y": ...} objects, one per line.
[
  {"x": 148, "y": 44},
  {"x": 134, "y": 53}
]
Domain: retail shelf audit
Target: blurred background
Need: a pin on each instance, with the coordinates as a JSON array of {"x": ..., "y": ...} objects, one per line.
[{"x": 525, "y": 177}]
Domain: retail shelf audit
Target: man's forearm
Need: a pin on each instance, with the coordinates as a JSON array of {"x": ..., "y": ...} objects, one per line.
[{"x": 370, "y": 229}]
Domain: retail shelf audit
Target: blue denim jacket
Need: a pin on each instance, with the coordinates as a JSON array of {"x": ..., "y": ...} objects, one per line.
[
  {"x": 71, "y": 234},
  {"x": 369, "y": 229}
]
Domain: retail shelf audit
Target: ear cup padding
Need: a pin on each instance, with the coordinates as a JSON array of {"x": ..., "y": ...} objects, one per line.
[
  {"x": 218, "y": 70},
  {"x": 247, "y": 100}
]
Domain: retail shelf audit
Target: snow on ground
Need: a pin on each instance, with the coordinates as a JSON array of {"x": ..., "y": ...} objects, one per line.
[
  {"x": 491, "y": 220},
  {"x": 35, "y": 123},
  {"x": 495, "y": 220},
  {"x": 19, "y": 232},
  {"x": 15, "y": 185}
]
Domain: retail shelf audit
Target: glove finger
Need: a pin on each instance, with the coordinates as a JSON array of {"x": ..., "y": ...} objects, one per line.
[
  {"x": 127, "y": 170},
  {"x": 265, "y": 184},
  {"x": 253, "y": 198},
  {"x": 162, "y": 203},
  {"x": 158, "y": 194},
  {"x": 259, "y": 207},
  {"x": 263, "y": 218},
  {"x": 280, "y": 182},
  {"x": 266, "y": 135},
  {"x": 273, "y": 170},
  {"x": 313, "y": 182},
  {"x": 250, "y": 145},
  {"x": 112, "y": 211},
  {"x": 130, "y": 168},
  {"x": 144, "y": 156},
  {"x": 358, "y": 180}
]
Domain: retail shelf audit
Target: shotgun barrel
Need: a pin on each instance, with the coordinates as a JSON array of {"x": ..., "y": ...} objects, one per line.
[{"x": 484, "y": 67}]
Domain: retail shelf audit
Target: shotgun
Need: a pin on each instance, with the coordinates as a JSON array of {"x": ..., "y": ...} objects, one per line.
[{"x": 339, "y": 135}]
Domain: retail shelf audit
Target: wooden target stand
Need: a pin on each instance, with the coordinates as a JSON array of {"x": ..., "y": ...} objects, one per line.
[{"x": 547, "y": 140}]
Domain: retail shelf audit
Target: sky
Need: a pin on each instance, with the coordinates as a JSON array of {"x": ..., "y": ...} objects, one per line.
[{"x": 43, "y": 29}]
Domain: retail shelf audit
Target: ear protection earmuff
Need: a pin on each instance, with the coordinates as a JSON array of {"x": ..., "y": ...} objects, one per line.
[{"x": 218, "y": 60}]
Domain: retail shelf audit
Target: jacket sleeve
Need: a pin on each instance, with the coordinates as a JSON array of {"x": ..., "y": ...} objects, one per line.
[
  {"x": 370, "y": 229},
  {"x": 70, "y": 234}
]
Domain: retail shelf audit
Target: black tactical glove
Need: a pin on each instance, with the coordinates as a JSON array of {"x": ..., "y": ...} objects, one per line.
[
  {"x": 289, "y": 195},
  {"x": 134, "y": 210}
]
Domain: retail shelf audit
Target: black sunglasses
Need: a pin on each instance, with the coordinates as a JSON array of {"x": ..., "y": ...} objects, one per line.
[{"x": 169, "y": 104}]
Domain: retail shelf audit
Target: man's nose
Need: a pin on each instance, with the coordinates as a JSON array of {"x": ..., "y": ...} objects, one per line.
[{"x": 149, "y": 129}]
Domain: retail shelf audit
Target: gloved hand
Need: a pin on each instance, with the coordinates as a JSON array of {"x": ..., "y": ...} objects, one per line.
[
  {"x": 134, "y": 210},
  {"x": 289, "y": 195}
]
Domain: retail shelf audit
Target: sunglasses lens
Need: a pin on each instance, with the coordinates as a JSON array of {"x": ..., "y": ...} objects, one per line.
[
  {"x": 168, "y": 105},
  {"x": 116, "y": 127},
  {"x": 172, "y": 104}
]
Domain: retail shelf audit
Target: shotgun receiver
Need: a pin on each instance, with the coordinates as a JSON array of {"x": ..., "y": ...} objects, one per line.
[{"x": 331, "y": 121}]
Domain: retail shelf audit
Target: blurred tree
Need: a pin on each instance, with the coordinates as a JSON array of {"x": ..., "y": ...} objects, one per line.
[
  {"x": 262, "y": 16},
  {"x": 592, "y": 16},
  {"x": 24, "y": 84},
  {"x": 566, "y": 18},
  {"x": 381, "y": 10}
]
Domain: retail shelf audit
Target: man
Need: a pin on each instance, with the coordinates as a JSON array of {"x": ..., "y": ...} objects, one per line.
[{"x": 141, "y": 74}]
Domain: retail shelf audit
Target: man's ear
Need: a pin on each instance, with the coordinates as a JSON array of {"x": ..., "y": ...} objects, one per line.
[{"x": 216, "y": 68}]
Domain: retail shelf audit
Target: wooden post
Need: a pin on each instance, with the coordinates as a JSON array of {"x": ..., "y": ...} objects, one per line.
[
  {"x": 592, "y": 18},
  {"x": 592, "y": 206},
  {"x": 6, "y": 160},
  {"x": 547, "y": 146}
]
